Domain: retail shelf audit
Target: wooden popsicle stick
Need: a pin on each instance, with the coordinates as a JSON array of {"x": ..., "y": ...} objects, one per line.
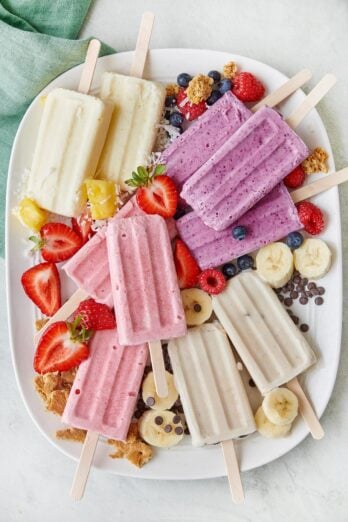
[
  {"x": 306, "y": 410},
  {"x": 84, "y": 465},
  {"x": 311, "y": 100},
  {"x": 233, "y": 473},
  {"x": 89, "y": 66},
  {"x": 142, "y": 45},
  {"x": 159, "y": 371},
  {"x": 331, "y": 180},
  {"x": 64, "y": 311},
  {"x": 284, "y": 90}
]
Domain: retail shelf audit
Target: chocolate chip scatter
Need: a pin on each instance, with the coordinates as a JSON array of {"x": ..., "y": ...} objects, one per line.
[
  {"x": 321, "y": 290},
  {"x": 158, "y": 420},
  {"x": 168, "y": 428},
  {"x": 311, "y": 286},
  {"x": 178, "y": 430},
  {"x": 319, "y": 301},
  {"x": 197, "y": 308},
  {"x": 304, "y": 327},
  {"x": 252, "y": 384},
  {"x": 303, "y": 300},
  {"x": 176, "y": 419},
  {"x": 288, "y": 301},
  {"x": 150, "y": 401},
  {"x": 294, "y": 294},
  {"x": 295, "y": 319}
]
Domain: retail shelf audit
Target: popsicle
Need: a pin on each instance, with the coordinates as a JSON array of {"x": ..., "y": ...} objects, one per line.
[
  {"x": 204, "y": 137},
  {"x": 103, "y": 396},
  {"x": 249, "y": 164},
  {"x": 214, "y": 399},
  {"x": 71, "y": 136},
  {"x": 270, "y": 345},
  {"x": 145, "y": 289}
]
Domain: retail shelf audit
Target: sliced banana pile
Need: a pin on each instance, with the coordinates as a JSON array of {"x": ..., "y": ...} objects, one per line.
[
  {"x": 275, "y": 416},
  {"x": 197, "y": 306},
  {"x": 313, "y": 258},
  {"x": 150, "y": 396},
  {"x": 275, "y": 264},
  {"x": 163, "y": 429}
]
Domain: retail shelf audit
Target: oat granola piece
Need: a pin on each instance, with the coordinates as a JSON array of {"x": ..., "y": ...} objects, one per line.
[
  {"x": 199, "y": 88},
  {"x": 40, "y": 323},
  {"x": 54, "y": 389},
  {"x": 134, "y": 449},
  {"x": 172, "y": 89},
  {"x": 230, "y": 70},
  {"x": 316, "y": 161},
  {"x": 73, "y": 434}
]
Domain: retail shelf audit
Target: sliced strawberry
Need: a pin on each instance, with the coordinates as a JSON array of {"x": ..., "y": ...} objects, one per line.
[
  {"x": 57, "y": 242},
  {"x": 95, "y": 316},
  {"x": 42, "y": 285},
  {"x": 61, "y": 347},
  {"x": 82, "y": 225},
  {"x": 186, "y": 266},
  {"x": 161, "y": 197}
]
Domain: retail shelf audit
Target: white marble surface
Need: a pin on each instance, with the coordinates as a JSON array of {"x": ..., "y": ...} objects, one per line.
[{"x": 308, "y": 484}]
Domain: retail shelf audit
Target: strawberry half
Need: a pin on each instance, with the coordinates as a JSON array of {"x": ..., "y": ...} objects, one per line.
[
  {"x": 95, "y": 316},
  {"x": 57, "y": 242},
  {"x": 82, "y": 225},
  {"x": 157, "y": 193},
  {"x": 186, "y": 266},
  {"x": 61, "y": 347},
  {"x": 42, "y": 285}
]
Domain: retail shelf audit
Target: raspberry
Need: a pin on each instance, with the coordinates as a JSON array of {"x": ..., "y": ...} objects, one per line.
[
  {"x": 247, "y": 88},
  {"x": 191, "y": 111},
  {"x": 296, "y": 178},
  {"x": 212, "y": 281},
  {"x": 311, "y": 217}
]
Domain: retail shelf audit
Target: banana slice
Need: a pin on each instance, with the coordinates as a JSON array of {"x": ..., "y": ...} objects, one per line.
[
  {"x": 161, "y": 428},
  {"x": 197, "y": 305},
  {"x": 313, "y": 258},
  {"x": 280, "y": 406},
  {"x": 150, "y": 396},
  {"x": 275, "y": 264},
  {"x": 267, "y": 429}
]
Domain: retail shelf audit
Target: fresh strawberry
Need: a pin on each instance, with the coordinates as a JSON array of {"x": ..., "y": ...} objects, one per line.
[
  {"x": 157, "y": 193},
  {"x": 311, "y": 217},
  {"x": 82, "y": 225},
  {"x": 247, "y": 88},
  {"x": 296, "y": 178},
  {"x": 212, "y": 281},
  {"x": 95, "y": 316},
  {"x": 186, "y": 266},
  {"x": 191, "y": 111},
  {"x": 57, "y": 242},
  {"x": 61, "y": 347},
  {"x": 41, "y": 283}
]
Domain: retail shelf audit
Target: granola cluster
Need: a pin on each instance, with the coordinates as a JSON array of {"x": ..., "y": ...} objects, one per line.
[
  {"x": 134, "y": 449},
  {"x": 199, "y": 88},
  {"x": 172, "y": 89},
  {"x": 230, "y": 70},
  {"x": 54, "y": 389},
  {"x": 316, "y": 161}
]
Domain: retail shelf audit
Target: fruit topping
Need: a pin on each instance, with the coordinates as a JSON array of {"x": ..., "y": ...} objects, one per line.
[
  {"x": 215, "y": 75},
  {"x": 294, "y": 240},
  {"x": 186, "y": 266},
  {"x": 214, "y": 97},
  {"x": 82, "y": 225},
  {"x": 184, "y": 79},
  {"x": 102, "y": 198},
  {"x": 313, "y": 258},
  {"x": 311, "y": 217},
  {"x": 245, "y": 262},
  {"x": 225, "y": 85},
  {"x": 267, "y": 429},
  {"x": 95, "y": 316},
  {"x": 41, "y": 283},
  {"x": 31, "y": 215},
  {"x": 161, "y": 428},
  {"x": 296, "y": 178},
  {"x": 150, "y": 396},
  {"x": 197, "y": 306},
  {"x": 229, "y": 270},
  {"x": 57, "y": 242},
  {"x": 275, "y": 264},
  {"x": 212, "y": 281},
  {"x": 280, "y": 406},
  {"x": 239, "y": 232},
  {"x": 247, "y": 88},
  {"x": 176, "y": 119},
  {"x": 191, "y": 111}
]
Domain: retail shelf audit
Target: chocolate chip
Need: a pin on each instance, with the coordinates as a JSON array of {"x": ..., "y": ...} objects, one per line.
[
  {"x": 294, "y": 294},
  {"x": 305, "y": 281},
  {"x": 304, "y": 300},
  {"x": 180, "y": 409},
  {"x": 291, "y": 285},
  {"x": 150, "y": 401},
  {"x": 158, "y": 420},
  {"x": 315, "y": 291},
  {"x": 288, "y": 301},
  {"x": 300, "y": 288},
  {"x": 178, "y": 430},
  {"x": 311, "y": 286},
  {"x": 284, "y": 290},
  {"x": 295, "y": 319},
  {"x": 321, "y": 290},
  {"x": 252, "y": 384},
  {"x": 281, "y": 298},
  {"x": 197, "y": 308},
  {"x": 289, "y": 311},
  {"x": 308, "y": 294},
  {"x": 137, "y": 414},
  {"x": 304, "y": 327},
  {"x": 168, "y": 428},
  {"x": 277, "y": 290},
  {"x": 319, "y": 301},
  {"x": 297, "y": 279},
  {"x": 187, "y": 431},
  {"x": 176, "y": 419}
]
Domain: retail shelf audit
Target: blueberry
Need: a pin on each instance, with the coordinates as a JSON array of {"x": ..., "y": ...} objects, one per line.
[
  {"x": 294, "y": 240},
  {"x": 176, "y": 119},
  {"x": 184, "y": 79},
  {"x": 215, "y": 95},
  {"x": 167, "y": 115},
  {"x": 229, "y": 270},
  {"x": 215, "y": 75},
  {"x": 245, "y": 262},
  {"x": 225, "y": 86},
  {"x": 170, "y": 101},
  {"x": 239, "y": 232}
]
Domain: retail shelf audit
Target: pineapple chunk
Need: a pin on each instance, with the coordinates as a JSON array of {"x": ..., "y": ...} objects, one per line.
[
  {"x": 31, "y": 215},
  {"x": 102, "y": 197}
]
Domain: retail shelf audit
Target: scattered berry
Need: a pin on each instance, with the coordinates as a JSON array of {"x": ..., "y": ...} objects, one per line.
[
  {"x": 57, "y": 242},
  {"x": 31, "y": 215},
  {"x": 61, "y": 347},
  {"x": 247, "y": 88},
  {"x": 294, "y": 240},
  {"x": 176, "y": 119},
  {"x": 41, "y": 283},
  {"x": 184, "y": 79},
  {"x": 214, "y": 97},
  {"x": 212, "y": 281},
  {"x": 229, "y": 270},
  {"x": 191, "y": 111},
  {"x": 170, "y": 101},
  {"x": 239, "y": 232},
  {"x": 82, "y": 225},
  {"x": 245, "y": 262},
  {"x": 311, "y": 217},
  {"x": 186, "y": 266},
  {"x": 215, "y": 75},
  {"x": 225, "y": 85},
  {"x": 296, "y": 178},
  {"x": 95, "y": 316}
]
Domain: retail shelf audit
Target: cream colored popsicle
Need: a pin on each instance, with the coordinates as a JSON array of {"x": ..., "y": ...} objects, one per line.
[{"x": 138, "y": 106}]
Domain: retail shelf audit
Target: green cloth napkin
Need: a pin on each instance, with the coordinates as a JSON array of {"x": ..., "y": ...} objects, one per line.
[{"x": 36, "y": 45}]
